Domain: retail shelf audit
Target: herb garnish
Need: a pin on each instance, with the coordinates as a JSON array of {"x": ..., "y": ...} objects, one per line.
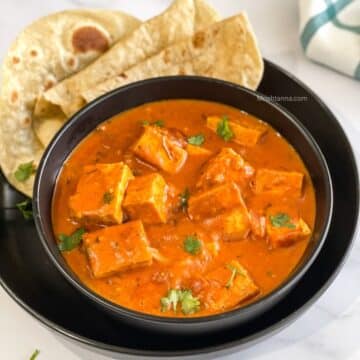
[
  {"x": 192, "y": 244},
  {"x": 184, "y": 199},
  {"x": 25, "y": 208},
  {"x": 234, "y": 272},
  {"x": 24, "y": 171},
  {"x": 188, "y": 303},
  {"x": 35, "y": 354},
  {"x": 196, "y": 140},
  {"x": 159, "y": 123},
  {"x": 281, "y": 220},
  {"x": 70, "y": 242},
  {"x": 224, "y": 130},
  {"x": 108, "y": 197}
]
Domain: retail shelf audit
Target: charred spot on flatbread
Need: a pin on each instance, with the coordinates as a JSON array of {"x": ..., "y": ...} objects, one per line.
[{"x": 89, "y": 38}]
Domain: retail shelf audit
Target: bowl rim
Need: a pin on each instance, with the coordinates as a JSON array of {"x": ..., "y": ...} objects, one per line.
[{"x": 71, "y": 277}]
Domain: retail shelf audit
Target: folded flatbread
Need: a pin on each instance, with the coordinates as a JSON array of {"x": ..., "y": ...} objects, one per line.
[
  {"x": 43, "y": 54},
  {"x": 178, "y": 22},
  {"x": 227, "y": 50}
]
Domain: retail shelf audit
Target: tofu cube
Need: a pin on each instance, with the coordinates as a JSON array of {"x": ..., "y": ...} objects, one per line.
[
  {"x": 214, "y": 201},
  {"x": 146, "y": 198},
  {"x": 279, "y": 182},
  {"x": 226, "y": 166},
  {"x": 118, "y": 248},
  {"x": 286, "y": 234},
  {"x": 160, "y": 149},
  {"x": 242, "y": 135},
  {"x": 99, "y": 194},
  {"x": 198, "y": 152},
  {"x": 228, "y": 286},
  {"x": 233, "y": 225}
]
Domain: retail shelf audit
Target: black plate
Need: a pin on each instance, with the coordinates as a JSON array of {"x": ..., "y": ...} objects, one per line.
[
  {"x": 184, "y": 87},
  {"x": 28, "y": 276}
]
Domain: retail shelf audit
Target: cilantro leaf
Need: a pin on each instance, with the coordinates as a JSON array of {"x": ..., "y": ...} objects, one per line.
[
  {"x": 188, "y": 303},
  {"x": 24, "y": 171},
  {"x": 224, "y": 130},
  {"x": 282, "y": 220},
  {"x": 159, "y": 123},
  {"x": 235, "y": 271},
  {"x": 70, "y": 242},
  {"x": 196, "y": 140},
  {"x": 192, "y": 244},
  {"x": 35, "y": 354},
  {"x": 184, "y": 199},
  {"x": 108, "y": 197},
  {"x": 170, "y": 301},
  {"x": 25, "y": 208}
]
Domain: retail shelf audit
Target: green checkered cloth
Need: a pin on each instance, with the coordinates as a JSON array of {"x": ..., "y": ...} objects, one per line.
[{"x": 330, "y": 33}]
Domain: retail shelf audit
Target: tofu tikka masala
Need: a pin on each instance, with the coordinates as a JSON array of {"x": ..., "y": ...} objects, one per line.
[{"x": 183, "y": 208}]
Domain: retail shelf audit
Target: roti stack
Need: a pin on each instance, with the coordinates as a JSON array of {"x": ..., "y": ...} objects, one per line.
[
  {"x": 64, "y": 61},
  {"x": 180, "y": 21},
  {"x": 46, "y": 52},
  {"x": 227, "y": 50}
]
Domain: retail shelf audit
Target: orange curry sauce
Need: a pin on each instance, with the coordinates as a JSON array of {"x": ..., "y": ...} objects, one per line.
[{"x": 141, "y": 289}]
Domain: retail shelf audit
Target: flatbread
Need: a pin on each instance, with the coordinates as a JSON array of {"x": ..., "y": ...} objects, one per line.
[
  {"x": 205, "y": 15},
  {"x": 227, "y": 50},
  {"x": 43, "y": 54},
  {"x": 178, "y": 22}
]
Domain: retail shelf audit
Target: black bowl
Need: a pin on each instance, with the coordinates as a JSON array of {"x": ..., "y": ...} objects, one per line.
[{"x": 86, "y": 120}]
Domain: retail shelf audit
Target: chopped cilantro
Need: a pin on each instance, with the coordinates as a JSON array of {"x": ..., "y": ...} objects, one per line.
[
  {"x": 224, "y": 129},
  {"x": 234, "y": 272},
  {"x": 188, "y": 303},
  {"x": 25, "y": 208},
  {"x": 35, "y": 354},
  {"x": 196, "y": 140},
  {"x": 70, "y": 242},
  {"x": 108, "y": 197},
  {"x": 184, "y": 199},
  {"x": 170, "y": 301},
  {"x": 192, "y": 244},
  {"x": 159, "y": 123},
  {"x": 281, "y": 220},
  {"x": 24, "y": 171}
]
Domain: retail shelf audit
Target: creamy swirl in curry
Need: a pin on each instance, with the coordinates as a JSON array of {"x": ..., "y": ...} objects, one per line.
[{"x": 183, "y": 208}]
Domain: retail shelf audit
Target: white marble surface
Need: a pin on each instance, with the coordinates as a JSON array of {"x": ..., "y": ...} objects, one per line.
[{"x": 330, "y": 329}]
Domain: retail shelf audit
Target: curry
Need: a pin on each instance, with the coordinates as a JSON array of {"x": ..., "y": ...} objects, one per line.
[{"x": 183, "y": 208}]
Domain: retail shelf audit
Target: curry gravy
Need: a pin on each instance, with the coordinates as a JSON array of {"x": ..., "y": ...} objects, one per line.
[{"x": 141, "y": 289}]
